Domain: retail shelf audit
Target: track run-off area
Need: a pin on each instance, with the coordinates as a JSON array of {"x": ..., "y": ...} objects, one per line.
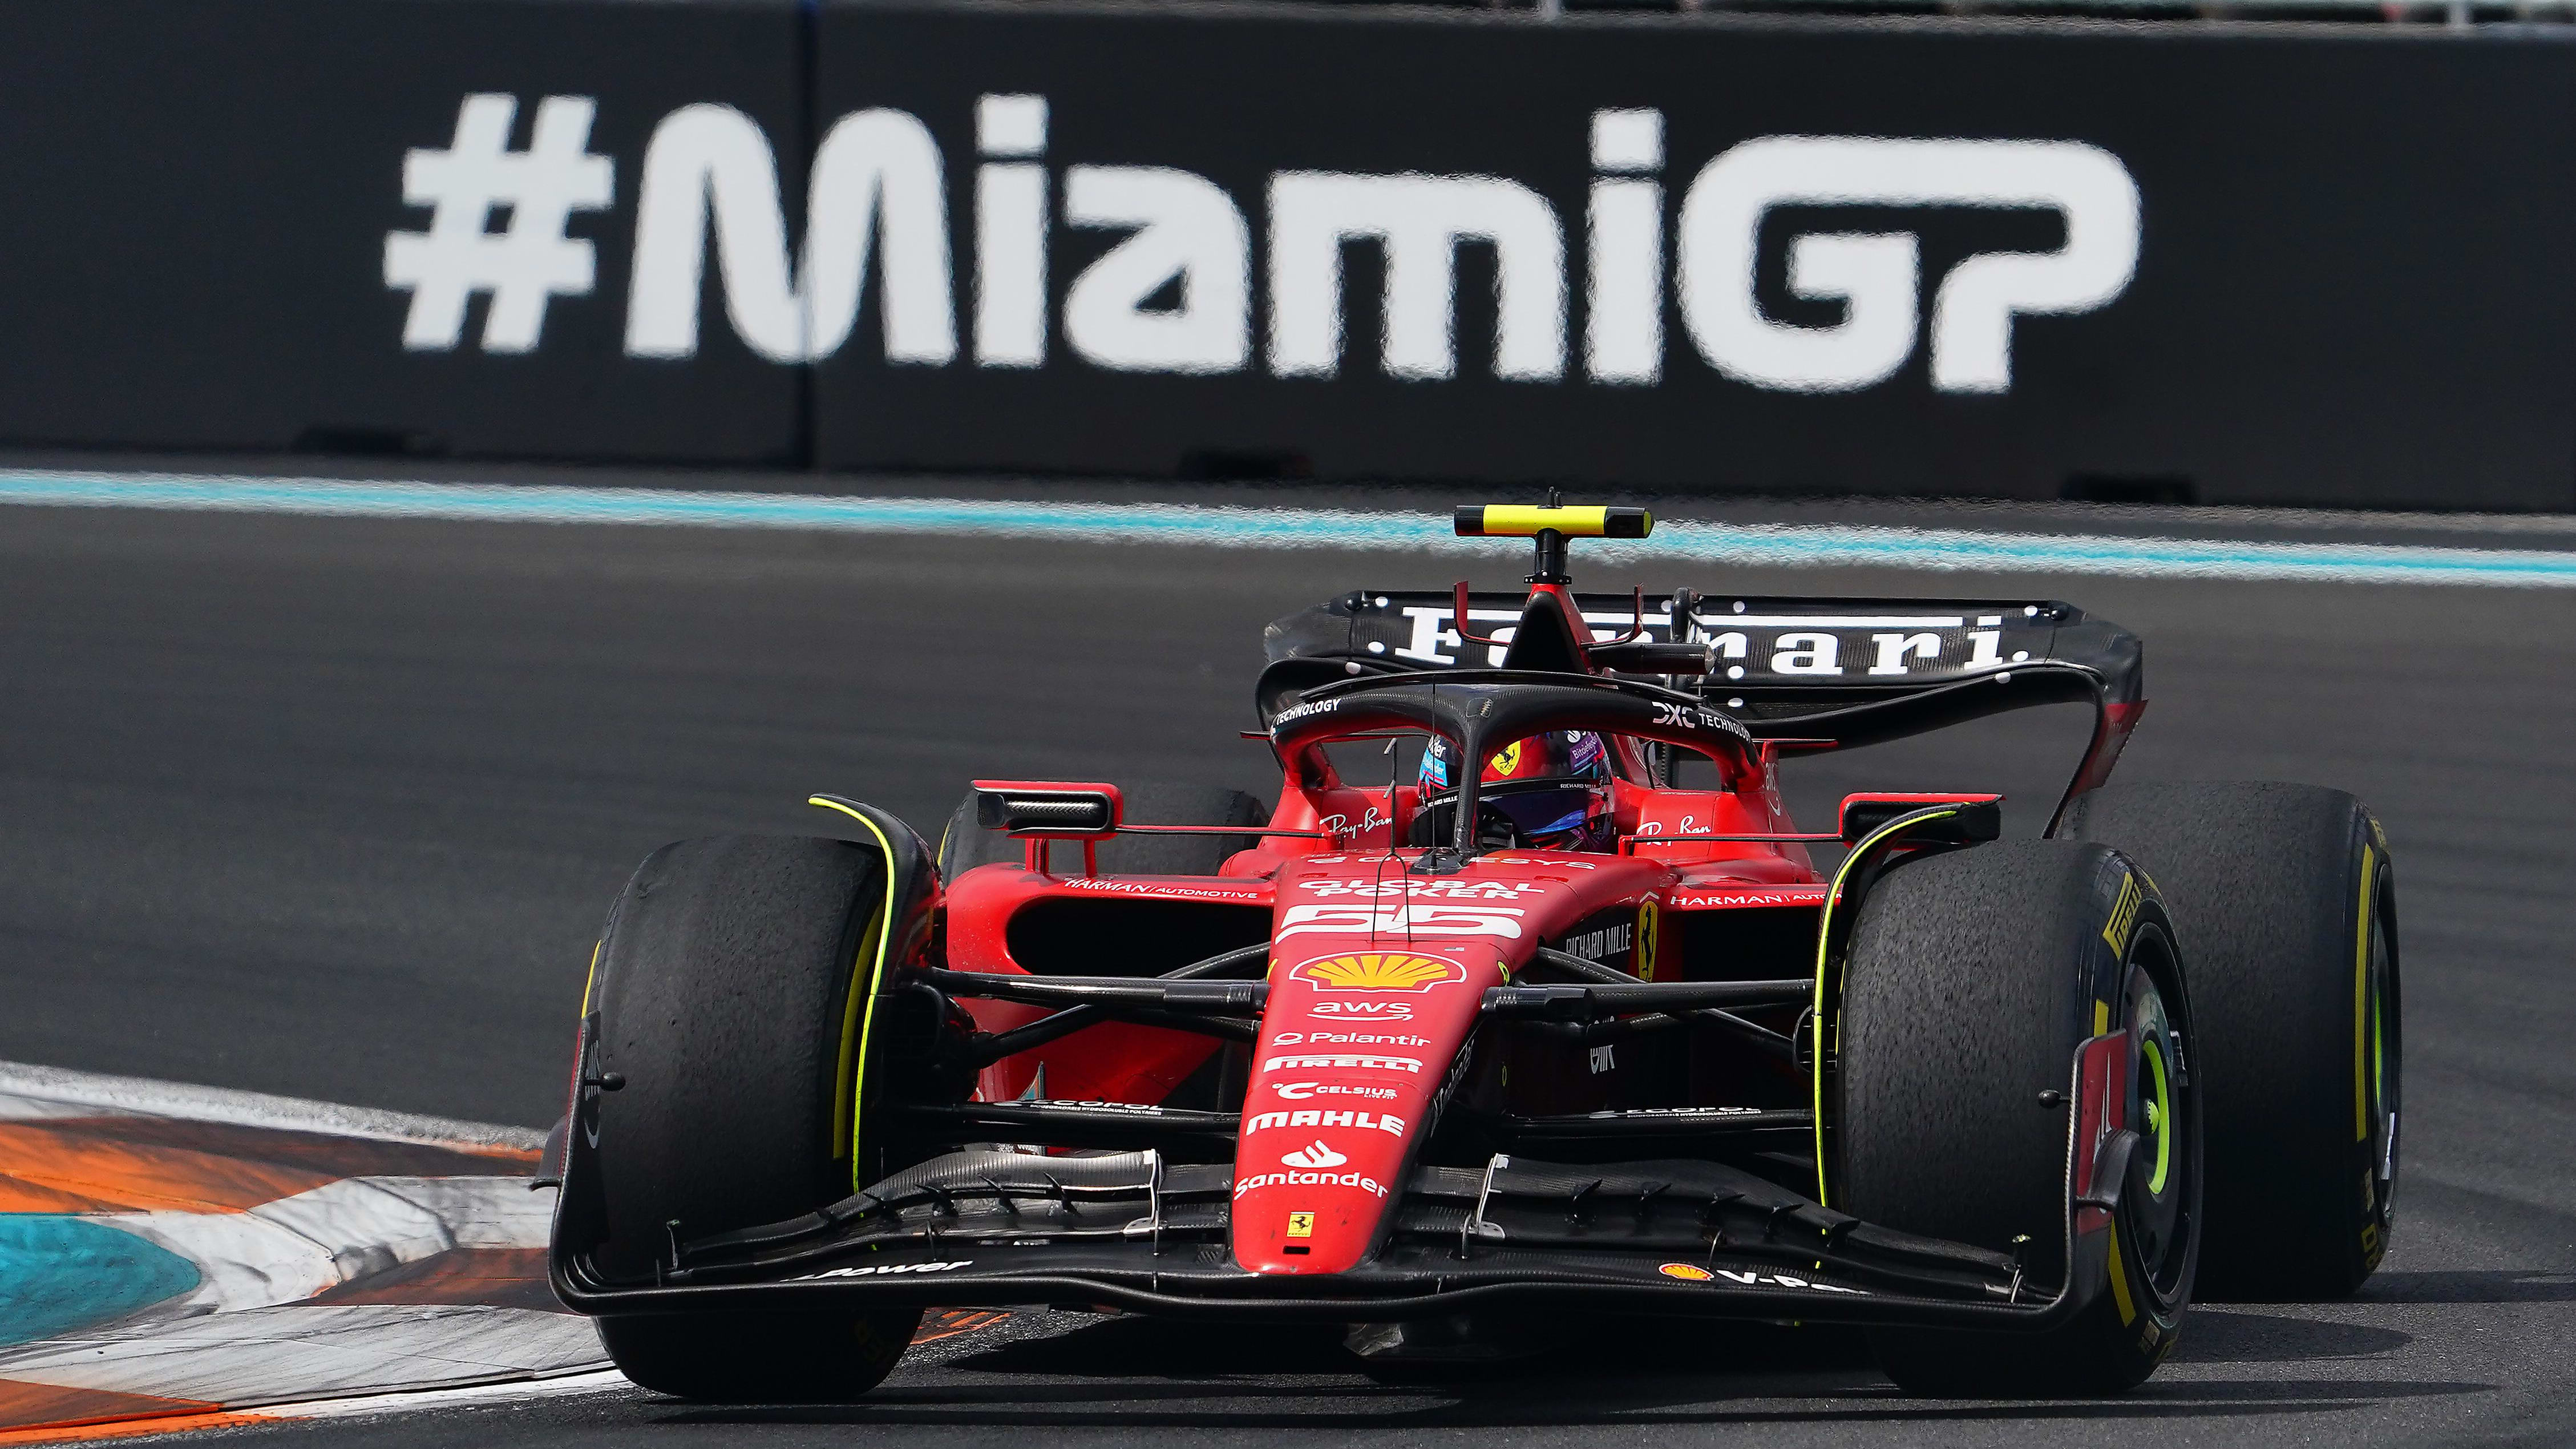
[{"x": 325, "y": 800}]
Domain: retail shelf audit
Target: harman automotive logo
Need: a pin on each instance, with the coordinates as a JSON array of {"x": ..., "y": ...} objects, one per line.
[{"x": 878, "y": 200}]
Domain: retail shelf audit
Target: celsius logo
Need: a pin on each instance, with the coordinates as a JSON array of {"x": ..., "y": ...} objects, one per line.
[
  {"x": 1176, "y": 291},
  {"x": 1313, "y": 1154},
  {"x": 1300, "y": 1091}
]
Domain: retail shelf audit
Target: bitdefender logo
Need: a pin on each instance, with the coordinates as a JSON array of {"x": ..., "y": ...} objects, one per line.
[{"x": 877, "y": 201}]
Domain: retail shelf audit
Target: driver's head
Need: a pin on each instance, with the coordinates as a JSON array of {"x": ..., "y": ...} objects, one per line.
[{"x": 1571, "y": 815}]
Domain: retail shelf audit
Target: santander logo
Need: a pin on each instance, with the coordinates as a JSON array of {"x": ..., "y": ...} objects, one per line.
[{"x": 1315, "y": 1154}]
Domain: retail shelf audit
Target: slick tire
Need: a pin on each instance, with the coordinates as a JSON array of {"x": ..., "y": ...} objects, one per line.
[
  {"x": 724, "y": 1000},
  {"x": 2284, "y": 898},
  {"x": 1971, "y": 980},
  {"x": 967, "y": 844}
]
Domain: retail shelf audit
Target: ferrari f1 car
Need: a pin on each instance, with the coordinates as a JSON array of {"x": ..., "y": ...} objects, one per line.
[{"x": 1581, "y": 1028}]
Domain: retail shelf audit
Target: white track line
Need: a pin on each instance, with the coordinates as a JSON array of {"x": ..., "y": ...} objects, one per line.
[
  {"x": 255, "y": 1109},
  {"x": 591, "y": 1381}
]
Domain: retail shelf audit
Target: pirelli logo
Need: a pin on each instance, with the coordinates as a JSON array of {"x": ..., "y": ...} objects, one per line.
[{"x": 2124, "y": 915}]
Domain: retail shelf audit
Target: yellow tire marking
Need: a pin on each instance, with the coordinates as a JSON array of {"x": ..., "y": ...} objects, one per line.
[
  {"x": 2120, "y": 1282},
  {"x": 868, "y": 1018},
  {"x": 1824, "y": 938},
  {"x": 2124, "y": 915},
  {"x": 846, "y": 1079},
  {"x": 2361, "y": 1002}
]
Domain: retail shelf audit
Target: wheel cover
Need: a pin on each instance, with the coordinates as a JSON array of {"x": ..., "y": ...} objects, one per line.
[
  {"x": 2158, "y": 1091},
  {"x": 2156, "y": 1208}
]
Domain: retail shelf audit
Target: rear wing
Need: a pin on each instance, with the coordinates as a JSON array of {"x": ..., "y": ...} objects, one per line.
[
  {"x": 1824, "y": 672},
  {"x": 1784, "y": 650}
]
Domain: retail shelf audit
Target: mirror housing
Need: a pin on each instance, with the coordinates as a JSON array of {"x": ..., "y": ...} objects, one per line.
[
  {"x": 1049, "y": 809},
  {"x": 1981, "y": 820}
]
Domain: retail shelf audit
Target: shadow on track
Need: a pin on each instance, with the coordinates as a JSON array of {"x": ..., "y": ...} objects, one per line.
[
  {"x": 1146, "y": 1374},
  {"x": 2504, "y": 1285},
  {"x": 2219, "y": 1336}
]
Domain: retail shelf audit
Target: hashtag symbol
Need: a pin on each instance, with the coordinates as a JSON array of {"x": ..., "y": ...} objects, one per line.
[{"x": 522, "y": 266}]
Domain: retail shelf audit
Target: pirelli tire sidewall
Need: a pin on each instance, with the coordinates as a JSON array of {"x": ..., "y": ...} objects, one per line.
[
  {"x": 2285, "y": 899},
  {"x": 2157, "y": 1292},
  {"x": 1975, "y": 979},
  {"x": 735, "y": 1056}
]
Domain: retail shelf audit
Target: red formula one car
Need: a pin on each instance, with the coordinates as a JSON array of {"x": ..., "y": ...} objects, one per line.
[{"x": 1564, "y": 1018}]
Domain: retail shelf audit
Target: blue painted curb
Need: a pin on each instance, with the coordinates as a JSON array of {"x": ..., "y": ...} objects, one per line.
[{"x": 60, "y": 1273}]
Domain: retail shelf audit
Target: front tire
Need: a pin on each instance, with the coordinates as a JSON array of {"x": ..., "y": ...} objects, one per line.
[
  {"x": 735, "y": 987},
  {"x": 2285, "y": 898},
  {"x": 1972, "y": 979}
]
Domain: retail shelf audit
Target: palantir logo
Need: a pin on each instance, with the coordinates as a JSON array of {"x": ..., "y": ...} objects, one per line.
[{"x": 877, "y": 204}]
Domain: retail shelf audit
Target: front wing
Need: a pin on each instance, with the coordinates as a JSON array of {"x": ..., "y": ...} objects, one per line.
[{"x": 1679, "y": 1238}]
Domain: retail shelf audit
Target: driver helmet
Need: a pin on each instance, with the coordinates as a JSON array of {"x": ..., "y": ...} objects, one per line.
[{"x": 1573, "y": 816}]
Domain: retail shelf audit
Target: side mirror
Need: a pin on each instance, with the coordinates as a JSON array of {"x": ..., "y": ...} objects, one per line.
[
  {"x": 1050, "y": 809},
  {"x": 1981, "y": 817}
]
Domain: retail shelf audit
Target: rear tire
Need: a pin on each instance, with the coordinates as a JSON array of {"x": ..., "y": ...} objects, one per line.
[
  {"x": 2272, "y": 888},
  {"x": 734, "y": 982},
  {"x": 967, "y": 844},
  {"x": 1972, "y": 979}
]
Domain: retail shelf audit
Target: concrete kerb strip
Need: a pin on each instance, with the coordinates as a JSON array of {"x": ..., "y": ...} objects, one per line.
[
  {"x": 1777, "y": 545},
  {"x": 256, "y": 1109}
]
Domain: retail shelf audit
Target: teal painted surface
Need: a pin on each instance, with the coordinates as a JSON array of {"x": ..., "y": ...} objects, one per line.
[
  {"x": 1748, "y": 545},
  {"x": 60, "y": 1273}
]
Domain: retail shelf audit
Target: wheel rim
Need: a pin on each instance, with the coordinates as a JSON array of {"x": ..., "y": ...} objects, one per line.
[
  {"x": 2157, "y": 1090},
  {"x": 2156, "y": 1208},
  {"x": 2382, "y": 1078}
]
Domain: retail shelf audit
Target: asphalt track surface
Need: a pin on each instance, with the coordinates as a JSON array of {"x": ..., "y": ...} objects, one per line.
[{"x": 331, "y": 808}]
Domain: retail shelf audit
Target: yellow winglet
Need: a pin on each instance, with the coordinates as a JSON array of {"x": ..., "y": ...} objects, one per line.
[{"x": 1520, "y": 520}]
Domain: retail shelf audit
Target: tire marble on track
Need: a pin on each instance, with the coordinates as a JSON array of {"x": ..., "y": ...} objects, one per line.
[{"x": 331, "y": 808}]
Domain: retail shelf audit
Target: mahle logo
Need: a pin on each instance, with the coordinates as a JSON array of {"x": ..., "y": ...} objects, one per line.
[{"x": 1373, "y": 971}]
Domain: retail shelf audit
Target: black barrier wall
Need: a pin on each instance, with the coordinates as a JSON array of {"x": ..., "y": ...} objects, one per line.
[
  {"x": 2232, "y": 263},
  {"x": 199, "y": 195}
]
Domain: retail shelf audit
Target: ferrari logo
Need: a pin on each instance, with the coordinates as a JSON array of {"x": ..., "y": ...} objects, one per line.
[
  {"x": 1649, "y": 917},
  {"x": 1390, "y": 971},
  {"x": 1509, "y": 761},
  {"x": 1301, "y": 1225}
]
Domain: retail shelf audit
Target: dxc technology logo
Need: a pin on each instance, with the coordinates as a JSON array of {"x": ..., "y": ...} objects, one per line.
[{"x": 877, "y": 201}]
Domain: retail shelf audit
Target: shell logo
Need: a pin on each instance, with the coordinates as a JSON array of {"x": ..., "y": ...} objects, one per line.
[
  {"x": 1376, "y": 971},
  {"x": 1687, "y": 1272}
]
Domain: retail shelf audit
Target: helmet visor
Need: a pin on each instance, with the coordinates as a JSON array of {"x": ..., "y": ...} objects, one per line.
[{"x": 1541, "y": 813}]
